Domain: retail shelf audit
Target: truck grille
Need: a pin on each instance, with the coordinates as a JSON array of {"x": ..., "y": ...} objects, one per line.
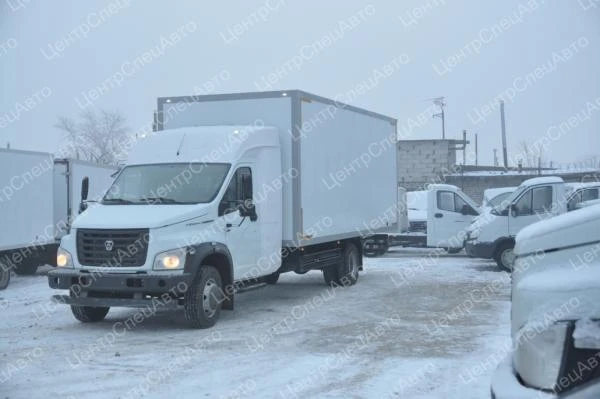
[
  {"x": 112, "y": 248},
  {"x": 418, "y": 227}
]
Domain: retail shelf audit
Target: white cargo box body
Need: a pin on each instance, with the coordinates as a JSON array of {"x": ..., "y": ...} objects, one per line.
[
  {"x": 338, "y": 161},
  {"x": 26, "y": 213}
]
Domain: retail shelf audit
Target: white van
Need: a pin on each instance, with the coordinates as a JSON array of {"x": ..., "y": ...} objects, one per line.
[
  {"x": 555, "y": 316},
  {"x": 492, "y": 235}
]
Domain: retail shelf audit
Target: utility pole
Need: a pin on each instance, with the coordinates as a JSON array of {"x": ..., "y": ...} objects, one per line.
[
  {"x": 495, "y": 157},
  {"x": 503, "y": 123}
]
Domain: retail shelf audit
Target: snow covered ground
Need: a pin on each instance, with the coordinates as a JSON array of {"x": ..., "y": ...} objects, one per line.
[{"x": 417, "y": 325}]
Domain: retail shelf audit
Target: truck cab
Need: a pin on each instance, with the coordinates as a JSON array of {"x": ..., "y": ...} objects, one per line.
[{"x": 491, "y": 235}]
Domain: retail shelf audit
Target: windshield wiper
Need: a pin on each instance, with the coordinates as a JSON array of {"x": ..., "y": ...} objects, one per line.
[
  {"x": 161, "y": 200},
  {"x": 117, "y": 201}
]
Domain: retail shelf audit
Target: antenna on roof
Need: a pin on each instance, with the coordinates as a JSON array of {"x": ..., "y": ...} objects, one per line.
[{"x": 439, "y": 101}]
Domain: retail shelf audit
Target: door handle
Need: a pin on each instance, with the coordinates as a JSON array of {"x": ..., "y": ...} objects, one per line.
[
  {"x": 228, "y": 225},
  {"x": 439, "y": 215}
]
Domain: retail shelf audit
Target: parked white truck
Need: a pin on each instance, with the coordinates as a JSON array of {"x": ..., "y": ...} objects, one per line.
[
  {"x": 555, "y": 316},
  {"x": 39, "y": 197},
  {"x": 491, "y": 235},
  {"x": 232, "y": 190},
  {"x": 449, "y": 212}
]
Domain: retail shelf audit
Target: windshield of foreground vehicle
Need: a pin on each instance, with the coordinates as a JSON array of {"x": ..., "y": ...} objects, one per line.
[{"x": 177, "y": 183}]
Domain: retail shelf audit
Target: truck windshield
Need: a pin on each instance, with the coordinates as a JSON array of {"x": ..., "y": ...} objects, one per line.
[
  {"x": 502, "y": 207},
  {"x": 177, "y": 183}
]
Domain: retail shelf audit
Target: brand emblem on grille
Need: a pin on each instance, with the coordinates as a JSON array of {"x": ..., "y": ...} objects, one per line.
[{"x": 108, "y": 245}]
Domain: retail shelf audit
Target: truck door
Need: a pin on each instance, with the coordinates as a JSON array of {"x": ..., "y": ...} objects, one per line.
[
  {"x": 241, "y": 232},
  {"x": 532, "y": 206},
  {"x": 449, "y": 216}
]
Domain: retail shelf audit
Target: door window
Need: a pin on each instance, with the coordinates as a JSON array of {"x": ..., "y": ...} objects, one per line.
[
  {"x": 541, "y": 199},
  {"x": 445, "y": 201},
  {"x": 589, "y": 194},
  {"x": 536, "y": 200},
  {"x": 238, "y": 191}
]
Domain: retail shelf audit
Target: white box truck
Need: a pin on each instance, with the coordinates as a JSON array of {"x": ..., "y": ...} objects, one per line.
[
  {"x": 442, "y": 224},
  {"x": 232, "y": 190},
  {"x": 39, "y": 196}
]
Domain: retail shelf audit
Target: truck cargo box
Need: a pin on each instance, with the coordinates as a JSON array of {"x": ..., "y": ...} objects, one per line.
[
  {"x": 26, "y": 213},
  {"x": 338, "y": 161}
]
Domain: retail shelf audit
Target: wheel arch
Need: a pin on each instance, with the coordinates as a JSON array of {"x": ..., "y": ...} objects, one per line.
[{"x": 216, "y": 255}]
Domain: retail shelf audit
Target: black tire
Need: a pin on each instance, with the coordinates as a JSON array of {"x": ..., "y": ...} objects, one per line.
[
  {"x": 330, "y": 275},
  {"x": 27, "y": 267},
  {"x": 203, "y": 299},
  {"x": 503, "y": 254},
  {"x": 4, "y": 277},
  {"x": 271, "y": 279},
  {"x": 453, "y": 250},
  {"x": 89, "y": 314},
  {"x": 348, "y": 268}
]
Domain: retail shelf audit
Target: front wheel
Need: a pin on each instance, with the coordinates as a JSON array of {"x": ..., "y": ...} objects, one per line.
[
  {"x": 4, "y": 277},
  {"x": 88, "y": 314},
  {"x": 203, "y": 299},
  {"x": 505, "y": 256}
]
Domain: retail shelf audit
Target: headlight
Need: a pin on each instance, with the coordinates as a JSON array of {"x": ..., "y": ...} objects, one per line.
[
  {"x": 539, "y": 352},
  {"x": 63, "y": 258},
  {"x": 170, "y": 260}
]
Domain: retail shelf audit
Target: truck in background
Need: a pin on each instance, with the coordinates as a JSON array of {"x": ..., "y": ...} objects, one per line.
[
  {"x": 232, "y": 191},
  {"x": 449, "y": 212},
  {"x": 492, "y": 235},
  {"x": 555, "y": 310},
  {"x": 39, "y": 199}
]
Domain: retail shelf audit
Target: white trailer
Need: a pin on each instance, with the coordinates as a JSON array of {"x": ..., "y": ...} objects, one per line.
[
  {"x": 26, "y": 212},
  {"x": 39, "y": 197},
  {"x": 233, "y": 190}
]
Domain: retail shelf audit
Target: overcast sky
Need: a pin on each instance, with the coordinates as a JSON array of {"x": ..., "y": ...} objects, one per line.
[{"x": 542, "y": 57}]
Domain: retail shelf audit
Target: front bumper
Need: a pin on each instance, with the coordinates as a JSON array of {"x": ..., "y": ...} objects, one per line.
[
  {"x": 116, "y": 289},
  {"x": 506, "y": 385},
  {"x": 477, "y": 249}
]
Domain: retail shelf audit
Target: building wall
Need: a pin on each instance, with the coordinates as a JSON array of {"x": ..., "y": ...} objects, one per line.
[
  {"x": 474, "y": 186},
  {"x": 421, "y": 162}
]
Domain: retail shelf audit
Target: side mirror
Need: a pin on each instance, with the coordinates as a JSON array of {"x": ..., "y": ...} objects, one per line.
[
  {"x": 247, "y": 209},
  {"x": 85, "y": 188},
  {"x": 514, "y": 212}
]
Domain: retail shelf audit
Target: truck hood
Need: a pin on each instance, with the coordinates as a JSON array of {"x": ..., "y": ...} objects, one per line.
[{"x": 138, "y": 216}]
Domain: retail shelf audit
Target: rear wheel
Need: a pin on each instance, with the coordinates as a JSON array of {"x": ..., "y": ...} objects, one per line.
[
  {"x": 330, "y": 275},
  {"x": 203, "y": 299},
  {"x": 4, "y": 277},
  {"x": 505, "y": 256},
  {"x": 348, "y": 267}
]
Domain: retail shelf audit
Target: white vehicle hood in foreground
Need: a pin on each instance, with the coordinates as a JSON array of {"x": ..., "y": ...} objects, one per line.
[{"x": 138, "y": 216}]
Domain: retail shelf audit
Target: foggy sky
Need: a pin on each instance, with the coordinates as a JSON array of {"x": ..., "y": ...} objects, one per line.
[{"x": 387, "y": 56}]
